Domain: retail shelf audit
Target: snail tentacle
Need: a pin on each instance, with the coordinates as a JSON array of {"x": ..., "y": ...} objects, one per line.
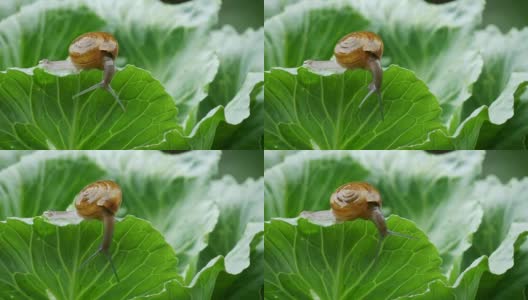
[{"x": 93, "y": 87}]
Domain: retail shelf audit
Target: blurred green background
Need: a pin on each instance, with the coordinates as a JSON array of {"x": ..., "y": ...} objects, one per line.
[
  {"x": 241, "y": 14},
  {"x": 506, "y": 164},
  {"x": 242, "y": 164},
  {"x": 506, "y": 14}
]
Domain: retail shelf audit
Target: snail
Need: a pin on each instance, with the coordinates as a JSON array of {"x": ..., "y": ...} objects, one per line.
[
  {"x": 92, "y": 50},
  {"x": 358, "y": 50},
  {"x": 356, "y": 200},
  {"x": 99, "y": 200}
]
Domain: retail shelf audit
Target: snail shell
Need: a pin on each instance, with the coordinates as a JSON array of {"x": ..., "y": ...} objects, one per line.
[
  {"x": 355, "y": 49},
  {"x": 354, "y": 200},
  {"x": 88, "y": 50},
  {"x": 97, "y": 199}
]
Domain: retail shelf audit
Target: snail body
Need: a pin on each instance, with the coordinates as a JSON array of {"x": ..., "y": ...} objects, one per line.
[
  {"x": 358, "y": 50},
  {"x": 100, "y": 200},
  {"x": 92, "y": 50}
]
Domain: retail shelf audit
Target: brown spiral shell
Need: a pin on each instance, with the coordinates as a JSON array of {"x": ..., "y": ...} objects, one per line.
[
  {"x": 87, "y": 50},
  {"x": 353, "y": 200},
  {"x": 99, "y": 198},
  {"x": 354, "y": 49}
]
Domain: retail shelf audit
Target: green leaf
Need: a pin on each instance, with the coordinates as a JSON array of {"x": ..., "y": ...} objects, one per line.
[
  {"x": 250, "y": 134},
  {"x": 480, "y": 92},
  {"x": 241, "y": 207},
  {"x": 308, "y": 30},
  {"x": 223, "y": 122},
  {"x": 226, "y": 268},
  {"x": 235, "y": 63},
  {"x": 464, "y": 288},
  {"x": 250, "y": 283},
  {"x": 511, "y": 285},
  {"x": 229, "y": 120},
  {"x": 180, "y": 54},
  {"x": 305, "y": 110},
  {"x": 503, "y": 208},
  {"x": 238, "y": 231},
  {"x": 232, "y": 258},
  {"x": 243, "y": 274},
  {"x": 308, "y": 261},
  {"x": 45, "y": 260},
  {"x": 38, "y": 111},
  {"x": 485, "y": 122},
  {"x": 503, "y": 225},
  {"x": 476, "y": 282},
  {"x": 238, "y": 80},
  {"x": 514, "y": 133},
  {"x": 164, "y": 193},
  {"x": 218, "y": 253},
  {"x": 437, "y": 35},
  {"x": 428, "y": 193},
  {"x": 171, "y": 54},
  {"x": 479, "y": 226},
  {"x": 498, "y": 91},
  {"x": 200, "y": 288},
  {"x": 480, "y": 280},
  {"x": 499, "y": 62}
]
